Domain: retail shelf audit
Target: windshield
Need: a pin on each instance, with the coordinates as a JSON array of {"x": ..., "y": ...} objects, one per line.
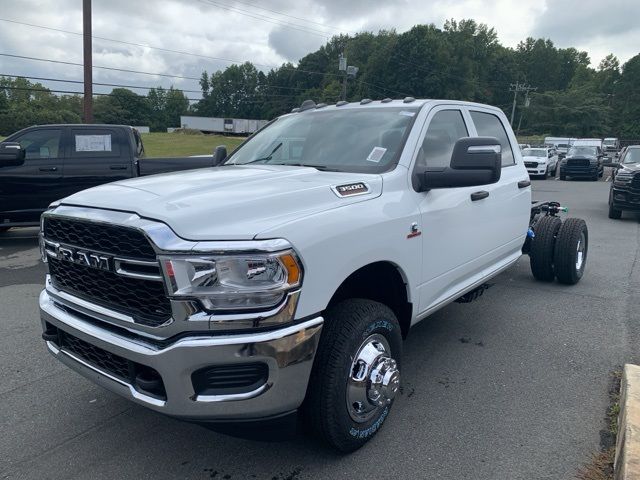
[
  {"x": 563, "y": 145},
  {"x": 349, "y": 140},
  {"x": 534, "y": 152},
  {"x": 590, "y": 151},
  {"x": 632, "y": 156},
  {"x": 609, "y": 142}
]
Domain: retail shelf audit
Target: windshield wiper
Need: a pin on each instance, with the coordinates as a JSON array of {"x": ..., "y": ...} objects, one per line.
[
  {"x": 262, "y": 159},
  {"x": 323, "y": 168}
]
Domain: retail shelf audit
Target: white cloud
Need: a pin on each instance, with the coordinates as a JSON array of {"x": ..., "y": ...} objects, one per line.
[{"x": 204, "y": 28}]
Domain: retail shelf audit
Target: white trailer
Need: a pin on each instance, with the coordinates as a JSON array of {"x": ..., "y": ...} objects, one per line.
[{"x": 221, "y": 125}]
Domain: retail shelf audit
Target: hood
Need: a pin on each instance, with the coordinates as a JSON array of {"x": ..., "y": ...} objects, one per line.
[
  {"x": 229, "y": 203},
  {"x": 528, "y": 158},
  {"x": 630, "y": 167}
]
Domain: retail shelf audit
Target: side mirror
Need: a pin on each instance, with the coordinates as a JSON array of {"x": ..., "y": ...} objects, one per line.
[
  {"x": 11, "y": 154},
  {"x": 219, "y": 155},
  {"x": 474, "y": 161},
  {"x": 612, "y": 165}
]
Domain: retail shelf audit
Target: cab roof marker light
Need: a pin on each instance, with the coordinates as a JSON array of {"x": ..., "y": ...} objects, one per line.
[
  {"x": 364, "y": 101},
  {"x": 307, "y": 105},
  {"x": 408, "y": 100},
  {"x": 386, "y": 100},
  {"x": 341, "y": 103}
]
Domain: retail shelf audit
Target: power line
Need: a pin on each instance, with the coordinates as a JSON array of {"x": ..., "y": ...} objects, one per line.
[
  {"x": 46, "y": 79},
  {"x": 48, "y": 60},
  {"x": 179, "y": 52},
  {"x": 260, "y": 94},
  {"x": 265, "y": 18},
  {"x": 291, "y": 16},
  {"x": 152, "y": 47},
  {"x": 72, "y": 92}
]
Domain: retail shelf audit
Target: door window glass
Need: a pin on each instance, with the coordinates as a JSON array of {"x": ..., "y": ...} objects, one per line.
[
  {"x": 40, "y": 143},
  {"x": 445, "y": 129},
  {"x": 489, "y": 125}
]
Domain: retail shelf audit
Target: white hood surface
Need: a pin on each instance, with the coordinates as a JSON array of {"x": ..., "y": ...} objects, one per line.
[{"x": 228, "y": 203}]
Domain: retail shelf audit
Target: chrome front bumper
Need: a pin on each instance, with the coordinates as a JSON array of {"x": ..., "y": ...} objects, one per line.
[{"x": 288, "y": 352}]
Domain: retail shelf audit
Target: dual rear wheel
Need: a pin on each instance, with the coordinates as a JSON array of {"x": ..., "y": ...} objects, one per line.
[{"x": 559, "y": 249}]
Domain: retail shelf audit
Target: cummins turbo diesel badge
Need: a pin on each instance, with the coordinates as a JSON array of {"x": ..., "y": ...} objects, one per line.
[{"x": 351, "y": 189}]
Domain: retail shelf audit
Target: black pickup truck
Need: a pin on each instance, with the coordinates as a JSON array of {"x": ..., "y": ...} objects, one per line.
[{"x": 41, "y": 164}]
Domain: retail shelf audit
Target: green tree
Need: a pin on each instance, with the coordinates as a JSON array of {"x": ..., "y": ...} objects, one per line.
[{"x": 122, "y": 106}]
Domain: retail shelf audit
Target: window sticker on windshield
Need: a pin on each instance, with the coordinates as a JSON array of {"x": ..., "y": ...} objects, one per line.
[
  {"x": 93, "y": 143},
  {"x": 407, "y": 114},
  {"x": 376, "y": 154}
]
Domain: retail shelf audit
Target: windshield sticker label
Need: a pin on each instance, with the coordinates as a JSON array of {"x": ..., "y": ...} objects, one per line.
[
  {"x": 407, "y": 114},
  {"x": 376, "y": 154},
  {"x": 93, "y": 143},
  {"x": 351, "y": 189}
]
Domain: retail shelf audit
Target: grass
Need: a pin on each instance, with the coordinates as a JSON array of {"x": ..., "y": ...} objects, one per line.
[
  {"x": 600, "y": 466},
  {"x": 183, "y": 145}
]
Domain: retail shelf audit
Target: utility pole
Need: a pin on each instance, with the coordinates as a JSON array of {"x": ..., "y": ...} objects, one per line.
[
  {"x": 88, "y": 61},
  {"x": 342, "y": 66},
  {"x": 515, "y": 88},
  {"x": 526, "y": 105}
]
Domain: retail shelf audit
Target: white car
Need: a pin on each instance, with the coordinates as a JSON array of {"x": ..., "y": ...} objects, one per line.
[{"x": 540, "y": 162}]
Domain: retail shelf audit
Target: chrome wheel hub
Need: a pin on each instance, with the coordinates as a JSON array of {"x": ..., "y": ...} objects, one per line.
[
  {"x": 580, "y": 254},
  {"x": 374, "y": 379}
]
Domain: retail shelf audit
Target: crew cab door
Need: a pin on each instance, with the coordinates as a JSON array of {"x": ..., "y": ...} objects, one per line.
[
  {"x": 28, "y": 189},
  {"x": 508, "y": 224},
  {"x": 466, "y": 231},
  {"x": 98, "y": 155}
]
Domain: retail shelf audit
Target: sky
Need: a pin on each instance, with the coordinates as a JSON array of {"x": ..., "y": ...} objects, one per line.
[{"x": 217, "y": 33}]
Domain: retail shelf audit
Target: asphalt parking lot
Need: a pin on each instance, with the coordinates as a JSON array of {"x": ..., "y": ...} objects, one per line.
[{"x": 512, "y": 386}]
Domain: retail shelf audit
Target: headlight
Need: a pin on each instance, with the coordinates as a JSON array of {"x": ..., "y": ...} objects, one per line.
[
  {"x": 233, "y": 282},
  {"x": 622, "y": 179}
]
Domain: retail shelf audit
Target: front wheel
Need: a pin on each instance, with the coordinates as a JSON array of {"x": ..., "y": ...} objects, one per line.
[
  {"x": 614, "y": 213},
  {"x": 563, "y": 176},
  {"x": 4, "y": 229},
  {"x": 356, "y": 373}
]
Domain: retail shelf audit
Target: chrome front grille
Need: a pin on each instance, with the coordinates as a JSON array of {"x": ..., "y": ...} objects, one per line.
[
  {"x": 142, "y": 299},
  {"x": 112, "y": 239}
]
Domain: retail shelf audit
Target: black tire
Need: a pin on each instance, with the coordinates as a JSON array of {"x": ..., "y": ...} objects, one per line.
[
  {"x": 572, "y": 235},
  {"x": 4, "y": 229},
  {"x": 542, "y": 248},
  {"x": 614, "y": 214},
  {"x": 347, "y": 325},
  {"x": 563, "y": 176},
  {"x": 544, "y": 175}
]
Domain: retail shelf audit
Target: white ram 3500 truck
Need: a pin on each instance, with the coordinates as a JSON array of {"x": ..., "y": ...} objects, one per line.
[{"x": 285, "y": 280}]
